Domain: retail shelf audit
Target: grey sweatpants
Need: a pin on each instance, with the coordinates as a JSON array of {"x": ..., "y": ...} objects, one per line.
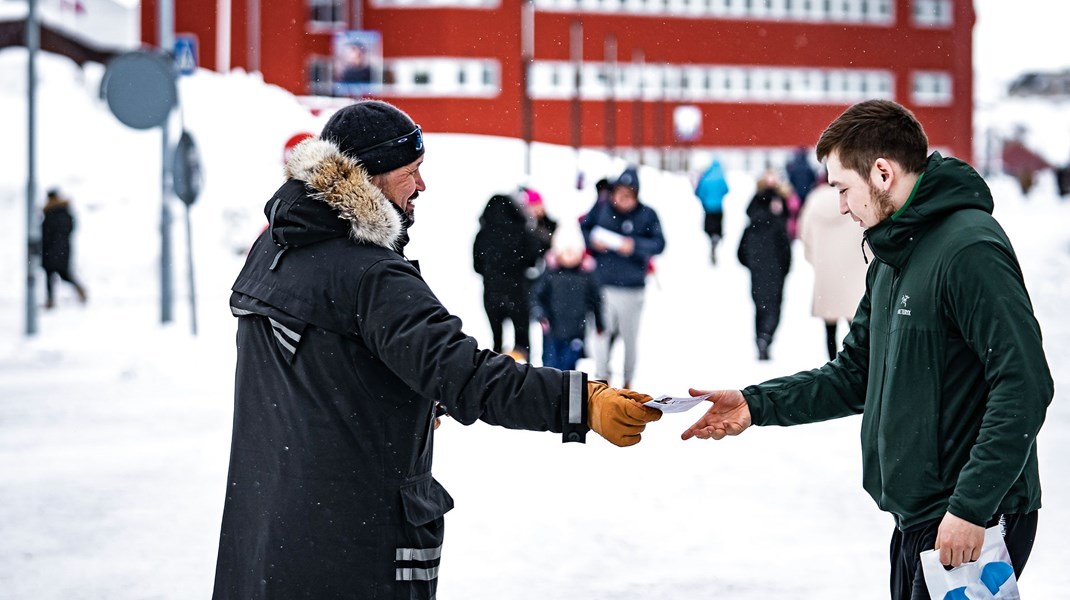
[{"x": 622, "y": 309}]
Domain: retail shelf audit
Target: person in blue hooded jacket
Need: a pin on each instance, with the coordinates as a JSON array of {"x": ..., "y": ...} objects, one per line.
[
  {"x": 944, "y": 358},
  {"x": 711, "y": 190},
  {"x": 623, "y": 235}
]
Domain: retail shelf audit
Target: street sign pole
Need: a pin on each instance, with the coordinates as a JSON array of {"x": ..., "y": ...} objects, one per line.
[
  {"x": 33, "y": 234},
  {"x": 166, "y": 41}
]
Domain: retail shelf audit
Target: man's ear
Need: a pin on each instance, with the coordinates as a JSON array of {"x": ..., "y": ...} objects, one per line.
[{"x": 883, "y": 174}]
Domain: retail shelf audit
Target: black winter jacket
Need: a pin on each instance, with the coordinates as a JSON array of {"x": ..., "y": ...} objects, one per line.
[
  {"x": 505, "y": 247},
  {"x": 343, "y": 351},
  {"x": 56, "y": 229},
  {"x": 765, "y": 248},
  {"x": 566, "y": 298}
]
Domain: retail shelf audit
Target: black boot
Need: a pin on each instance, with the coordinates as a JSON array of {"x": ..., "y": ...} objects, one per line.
[{"x": 763, "y": 349}]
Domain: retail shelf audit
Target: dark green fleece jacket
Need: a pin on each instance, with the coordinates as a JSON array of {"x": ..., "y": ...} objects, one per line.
[{"x": 944, "y": 361}]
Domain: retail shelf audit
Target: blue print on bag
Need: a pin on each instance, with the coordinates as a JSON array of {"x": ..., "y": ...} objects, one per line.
[{"x": 993, "y": 576}]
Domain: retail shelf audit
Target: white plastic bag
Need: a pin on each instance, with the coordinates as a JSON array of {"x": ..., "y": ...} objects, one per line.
[{"x": 991, "y": 577}]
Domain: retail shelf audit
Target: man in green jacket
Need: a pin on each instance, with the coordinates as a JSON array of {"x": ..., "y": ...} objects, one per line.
[{"x": 943, "y": 360}]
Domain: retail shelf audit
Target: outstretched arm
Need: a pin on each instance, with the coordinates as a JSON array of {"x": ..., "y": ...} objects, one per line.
[{"x": 729, "y": 415}]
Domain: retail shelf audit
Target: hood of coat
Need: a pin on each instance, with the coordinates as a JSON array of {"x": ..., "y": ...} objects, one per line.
[
  {"x": 340, "y": 201},
  {"x": 766, "y": 209},
  {"x": 503, "y": 212},
  {"x": 53, "y": 204},
  {"x": 947, "y": 185}
]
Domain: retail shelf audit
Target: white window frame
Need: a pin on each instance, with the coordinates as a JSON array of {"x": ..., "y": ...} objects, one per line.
[
  {"x": 932, "y": 13},
  {"x": 931, "y": 88}
]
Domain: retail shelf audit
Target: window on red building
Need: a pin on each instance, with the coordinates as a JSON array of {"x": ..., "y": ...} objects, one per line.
[
  {"x": 327, "y": 14},
  {"x": 932, "y": 13}
]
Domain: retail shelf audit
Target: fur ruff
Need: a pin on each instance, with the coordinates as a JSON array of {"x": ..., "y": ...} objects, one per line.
[{"x": 342, "y": 183}]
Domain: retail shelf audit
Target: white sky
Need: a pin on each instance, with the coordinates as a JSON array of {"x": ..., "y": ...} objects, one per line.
[{"x": 1015, "y": 36}]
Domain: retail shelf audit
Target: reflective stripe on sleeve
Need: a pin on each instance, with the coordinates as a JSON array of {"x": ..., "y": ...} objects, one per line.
[{"x": 575, "y": 397}]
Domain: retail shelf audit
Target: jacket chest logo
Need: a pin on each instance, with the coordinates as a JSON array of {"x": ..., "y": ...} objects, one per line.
[{"x": 903, "y": 310}]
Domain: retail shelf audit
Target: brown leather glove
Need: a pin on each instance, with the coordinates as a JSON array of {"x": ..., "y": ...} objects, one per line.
[{"x": 618, "y": 415}]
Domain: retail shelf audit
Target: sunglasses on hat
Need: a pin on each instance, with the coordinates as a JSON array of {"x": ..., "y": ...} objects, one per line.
[{"x": 414, "y": 138}]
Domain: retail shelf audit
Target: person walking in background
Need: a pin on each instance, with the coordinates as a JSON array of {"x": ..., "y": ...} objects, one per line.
[
  {"x": 765, "y": 250},
  {"x": 56, "y": 229},
  {"x": 801, "y": 175},
  {"x": 343, "y": 354},
  {"x": 944, "y": 359},
  {"x": 505, "y": 248},
  {"x": 802, "y": 178},
  {"x": 711, "y": 189},
  {"x": 564, "y": 300},
  {"x": 832, "y": 244},
  {"x": 544, "y": 226},
  {"x": 602, "y": 190},
  {"x": 623, "y": 234}
]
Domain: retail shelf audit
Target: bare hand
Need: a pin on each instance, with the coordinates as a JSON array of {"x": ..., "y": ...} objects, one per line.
[
  {"x": 959, "y": 541},
  {"x": 729, "y": 415},
  {"x": 627, "y": 246}
]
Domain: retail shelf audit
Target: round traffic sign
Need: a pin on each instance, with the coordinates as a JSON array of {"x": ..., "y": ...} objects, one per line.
[{"x": 140, "y": 89}]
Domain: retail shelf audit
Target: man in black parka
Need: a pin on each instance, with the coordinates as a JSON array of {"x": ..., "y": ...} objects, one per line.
[{"x": 343, "y": 355}]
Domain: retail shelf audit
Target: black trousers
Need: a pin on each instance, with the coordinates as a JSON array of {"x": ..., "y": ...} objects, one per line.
[
  {"x": 64, "y": 274},
  {"x": 512, "y": 306},
  {"x": 908, "y": 580},
  {"x": 711, "y": 224}
]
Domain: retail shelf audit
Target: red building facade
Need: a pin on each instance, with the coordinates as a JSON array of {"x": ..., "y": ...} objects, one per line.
[{"x": 748, "y": 78}]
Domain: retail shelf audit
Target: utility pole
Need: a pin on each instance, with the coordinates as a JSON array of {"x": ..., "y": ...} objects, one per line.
[
  {"x": 576, "y": 51},
  {"x": 611, "y": 103},
  {"x": 166, "y": 40},
  {"x": 527, "y": 57},
  {"x": 33, "y": 233},
  {"x": 637, "y": 114}
]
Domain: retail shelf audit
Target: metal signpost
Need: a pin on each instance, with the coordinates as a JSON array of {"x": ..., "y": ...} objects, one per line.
[{"x": 140, "y": 90}]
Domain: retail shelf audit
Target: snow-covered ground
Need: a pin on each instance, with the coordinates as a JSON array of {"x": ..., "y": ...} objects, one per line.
[{"x": 114, "y": 429}]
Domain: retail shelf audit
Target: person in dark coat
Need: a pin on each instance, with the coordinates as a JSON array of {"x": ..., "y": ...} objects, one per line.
[
  {"x": 765, "y": 250},
  {"x": 801, "y": 175},
  {"x": 565, "y": 299},
  {"x": 56, "y": 229},
  {"x": 544, "y": 225},
  {"x": 504, "y": 249},
  {"x": 343, "y": 354}
]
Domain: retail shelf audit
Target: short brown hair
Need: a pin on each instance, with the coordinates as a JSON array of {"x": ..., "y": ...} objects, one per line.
[{"x": 875, "y": 129}]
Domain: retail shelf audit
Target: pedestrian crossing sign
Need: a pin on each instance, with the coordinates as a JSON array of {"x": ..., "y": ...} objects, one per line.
[{"x": 185, "y": 54}]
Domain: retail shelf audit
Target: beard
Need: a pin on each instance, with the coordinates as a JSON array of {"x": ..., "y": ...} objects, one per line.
[
  {"x": 408, "y": 216},
  {"x": 882, "y": 202}
]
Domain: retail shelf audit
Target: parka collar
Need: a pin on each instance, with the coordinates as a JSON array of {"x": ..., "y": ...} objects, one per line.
[
  {"x": 947, "y": 185},
  {"x": 358, "y": 208}
]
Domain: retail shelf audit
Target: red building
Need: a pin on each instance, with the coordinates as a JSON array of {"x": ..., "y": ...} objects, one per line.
[{"x": 749, "y": 79}]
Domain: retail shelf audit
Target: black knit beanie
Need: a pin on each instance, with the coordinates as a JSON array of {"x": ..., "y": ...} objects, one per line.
[{"x": 376, "y": 133}]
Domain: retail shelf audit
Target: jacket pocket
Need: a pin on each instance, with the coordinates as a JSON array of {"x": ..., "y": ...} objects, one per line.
[
  {"x": 419, "y": 544},
  {"x": 424, "y": 501}
]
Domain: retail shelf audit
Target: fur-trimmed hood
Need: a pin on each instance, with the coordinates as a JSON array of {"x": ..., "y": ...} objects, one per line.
[{"x": 332, "y": 179}]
